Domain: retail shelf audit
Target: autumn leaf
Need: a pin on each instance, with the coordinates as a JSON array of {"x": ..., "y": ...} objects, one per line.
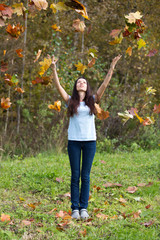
[
  {"x": 56, "y": 106},
  {"x": 56, "y": 28},
  {"x": 5, "y": 12},
  {"x": 60, "y": 6},
  {"x": 109, "y": 184},
  {"x": 78, "y": 25},
  {"x": 45, "y": 65},
  {"x": 129, "y": 51},
  {"x": 156, "y": 108},
  {"x": 116, "y": 40},
  {"x": 4, "y": 52},
  {"x": 5, "y": 103},
  {"x": 20, "y": 90},
  {"x": 41, "y": 4},
  {"x": 83, "y": 232},
  {"x": 91, "y": 62},
  {"x": 11, "y": 80},
  {"x": 132, "y": 111},
  {"x": 15, "y": 31},
  {"x": 132, "y": 189},
  {"x": 18, "y": 51},
  {"x": 152, "y": 53},
  {"x": 115, "y": 32},
  {"x": 59, "y": 180},
  {"x": 81, "y": 67},
  {"x": 139, "y": 118},
  {"x": 101, "y": 114},
  {"x": 148, "y": 121},
  {"x": 18, "y": 8},
  {"x": 103, "y": 216},
  {"x": 125, "y": 116},
  {"x": 78, "y": 7},
  {"x": 38, "y": 55},
  {"x": 148, "y": 206},
  {"x": 147, "y": 224},
  {"x": 26, "y": 222},
  {"x": 63, "y": 215},
  {"x": 141, "y": 43},
  {"x": 4, "y": 66},
  {"x": 150, "y": 90},
  {"x": 132, "y": 17},
  {"x": 92, "y": 52},
  {"x": 5, "y": 218}
]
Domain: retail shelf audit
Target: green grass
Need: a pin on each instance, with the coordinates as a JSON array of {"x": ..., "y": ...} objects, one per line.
[{"x": 33, "y": 180}]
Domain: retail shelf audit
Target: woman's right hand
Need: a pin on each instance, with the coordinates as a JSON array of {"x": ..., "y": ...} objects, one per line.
[{"x": 54, "y": 60}]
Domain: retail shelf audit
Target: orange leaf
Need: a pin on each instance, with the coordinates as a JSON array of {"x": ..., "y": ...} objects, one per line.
[
  {"x": 129, "y": 51},
  {"x": 92, "y": 62},
  {"x": 5, "y": 103},
  {"x": 5, "y": 218},
  {"x": 56, "y": 106},
  {"x": 32, "y": 206},
  {"x": 101, "y": 215},
  {"x": 15, "y": 31},
  {"x": 18, "y": 51},
  {"x": 20, "y": 90},
  {"x": 101, "y": 114},
  {"x": 4, "y": 66},
  {"x": 78, "y": 7},
  {"x": 56, "y": 28},
  {"x": 156, "y": 108},
  {"x": 139, "y": 118},
  {"x": 83, "y": 232}
]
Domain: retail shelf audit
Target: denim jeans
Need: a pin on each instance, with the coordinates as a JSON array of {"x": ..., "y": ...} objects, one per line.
[{"x": 79, "y": 197}]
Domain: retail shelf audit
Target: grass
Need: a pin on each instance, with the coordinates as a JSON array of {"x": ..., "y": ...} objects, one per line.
[{"x": 30, "y": 188}]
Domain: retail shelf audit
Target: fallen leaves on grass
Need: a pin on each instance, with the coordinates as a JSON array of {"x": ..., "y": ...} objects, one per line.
[
  {"x": 109, "y": 184},
  {"x": 5, "y": 218},
  {"x": 132, "y": 189},
  {"x": 147, "y": 224}
]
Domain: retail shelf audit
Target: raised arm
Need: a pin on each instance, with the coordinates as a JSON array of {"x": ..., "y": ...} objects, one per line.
[
  {"x": 60, "y": 89},
  {"x": 107, "y": 79}
]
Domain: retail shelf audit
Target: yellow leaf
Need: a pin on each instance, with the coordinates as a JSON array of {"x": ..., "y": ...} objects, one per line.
[
  {"x": 18, "y": 9},
  {"x": 139, "y": 118},
  {"x": 45, "y": 65},
  {"x": 141, "y": 43},
  {"x": 116, "y": 40},
  {"x": 60, "y": 6},
  {"x": 41, "y": 4},
  {"x": 81, "y": 67},
  {"x": 56, "y": 28},
  {"x": 38, "y": 55},
  {"x": 4, "y": 52},
  {"x": 150, "y": 90},
  {"x": 129, "y": 51},
  {"x": 56, "y": 106}
]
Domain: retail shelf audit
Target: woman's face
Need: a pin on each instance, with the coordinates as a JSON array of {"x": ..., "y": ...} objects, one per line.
[{"x": 81, "y": 85}]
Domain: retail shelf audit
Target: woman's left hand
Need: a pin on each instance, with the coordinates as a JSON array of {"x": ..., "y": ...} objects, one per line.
[{"x": 115, "y": 60}]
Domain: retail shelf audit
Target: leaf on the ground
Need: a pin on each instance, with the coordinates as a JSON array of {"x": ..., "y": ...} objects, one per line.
[
  {"x": 96, "y": 188},
  {"x": 137, "y": 214},
  {"x": 26, "y": 222},
  {"x": 56, "y": 106},
  {"x": 147, "y": 224},
  {"x": 152, "y": 53},
  {"x": 156, "y": 108},
  {"x": 5, "y": 103},
  {"x": 149, "y": 184},
  {"x": 148, "y": 206},
  {"x": 68, "y": 194},
  {"x": 19, "y": 52},
  {"x": 109, "y": 184},
  {"x": 78, "y": 7},
  {"x": 122, "y": 200},
  {"x": 115, "y": 32},
  {"x": 102, "y": 161},
  {"x": 132, "y": 17},
  {"x": 4, "y": 66},
  {"x": 79, "y": 25},
  {"x": 56, "y": 28},
  {"x": 38, "y": 55},
  {"x": 54, "y": 209},
  {"x": 31, "y": 205},
  {"x": 129, "y": 51},
  {"x": 100, "y": 113},
  {"x": 141, "y": 43},
  {"x": 63, "y": 214},
  {"x": 41, "y": 4},
  {"x": 59, "y": 180},
  {"x": 15, "y": 31},
  {"x": 101, "y": 215},
  {"x": 83, "y": 232},
  {"x": 80, "y": 67},
  {"x": 114, "y": 217},
  {"x": 132, "y": 189},
  {"x": 5, "y": 218}
]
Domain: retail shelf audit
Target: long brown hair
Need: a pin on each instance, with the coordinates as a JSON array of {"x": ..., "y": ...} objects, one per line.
[{"x": 75, "y": 100}]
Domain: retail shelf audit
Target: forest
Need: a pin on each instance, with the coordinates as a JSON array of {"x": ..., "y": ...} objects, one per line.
[{"x": 84, "y": 36}]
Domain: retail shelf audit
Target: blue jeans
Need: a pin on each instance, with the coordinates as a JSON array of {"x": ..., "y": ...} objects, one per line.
[{"x": 79, "y": 198}]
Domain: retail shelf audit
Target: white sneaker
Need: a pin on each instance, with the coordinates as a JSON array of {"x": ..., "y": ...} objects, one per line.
[
  {"x": 75, "y": 214},
  {"x": 84, "y": 213}
]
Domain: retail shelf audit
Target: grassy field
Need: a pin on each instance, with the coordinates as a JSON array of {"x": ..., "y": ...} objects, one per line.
[{"x": 34, "y": 192}]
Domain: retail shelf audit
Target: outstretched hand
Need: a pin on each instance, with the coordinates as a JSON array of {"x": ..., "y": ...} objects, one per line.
[
  {"x": 54, "y": 60},
  {"x": 115, "y": 60}
]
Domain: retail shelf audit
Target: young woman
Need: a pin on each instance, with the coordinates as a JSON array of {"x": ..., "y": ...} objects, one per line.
[{"x": 81, "y": 135}]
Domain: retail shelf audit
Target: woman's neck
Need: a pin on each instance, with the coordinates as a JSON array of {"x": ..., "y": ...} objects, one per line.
[{"x": 81, "y": 96}]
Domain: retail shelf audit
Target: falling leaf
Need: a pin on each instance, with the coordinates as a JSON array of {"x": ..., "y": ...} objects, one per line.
[
  {"x": 150, "y": 90},
  {"x": 38, "y": 55},
  {"x": 15, "y": 31},
  {"x": 132, "y": 17},
  {"x": 4, "y": 66},
  {"x": 125, "y": 116},
  {"x": 132, "y": 189},
  {"x": 60, "y": 6},
  {"x": 148, "y": 121},
  {"x": 116, "y": 40},
  {"x": 152, "y": 53},
  {"x": 56, "y": 28},
  {"x": 81, "y": 67},
  {"x": 132, "y": 111},
  {"x": 141, "y": 43},
  {"x": 139, "y": 118},
  {"x": 5, "y": 218},
  {"x": 41, "y": 4},
  {"x": 115, "y": 32},
  {"x": 20, "y": 90},
  {"x": 18, "y": 8},
  {"x": 56, "y": 106},
  {"x": 78, "y": 7},
  {"x": 156, "y": 108},
  {"x": 5, "y": 103},
  {"x": 45, "y": 65},
  {"x": 11, "y": 80},
  {"x": 91, "y": 62},
  {"x": 4, "y": 52},
  {"x": 92, "y": 52},
  {"x": 129, "y": 51},
  {"x": 18, "y": 51},
  {"x": 78, "y": 25},
  {"x": 101, "y": 114}
]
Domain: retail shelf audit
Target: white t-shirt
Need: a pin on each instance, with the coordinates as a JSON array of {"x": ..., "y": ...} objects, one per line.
[{"x": 82, "y": 125}]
